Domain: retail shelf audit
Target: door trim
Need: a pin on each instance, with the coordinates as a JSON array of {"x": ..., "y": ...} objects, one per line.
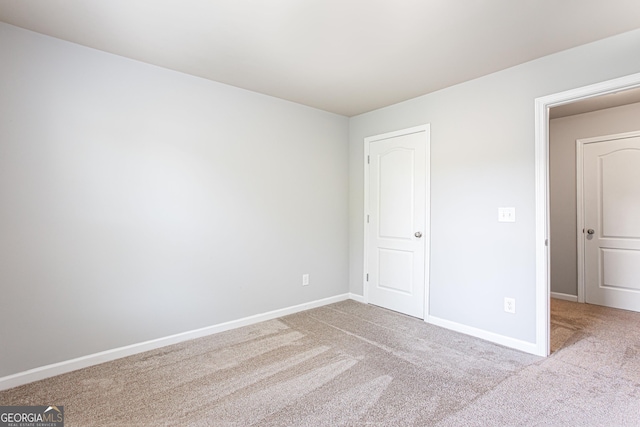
[
  {"x": 542, "y": 105},
  {"x": 580, "y": 143},
  {"x": 426, "y": 128}
]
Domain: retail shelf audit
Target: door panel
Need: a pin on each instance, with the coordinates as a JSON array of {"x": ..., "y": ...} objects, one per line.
[
  {"x": 611, "y": 193},
  {"x": 395, "y": 186},
  {"x": 621, "y": 268},
  {"x": 394, "y": 270},
  {"x": 397, "y": 211},
  {"x": 620, "y": 181}
]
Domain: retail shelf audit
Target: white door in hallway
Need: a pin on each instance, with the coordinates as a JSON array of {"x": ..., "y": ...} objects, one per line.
[
  {"x": 611, "y": 199},
  {"x": 397, "y": 220}
]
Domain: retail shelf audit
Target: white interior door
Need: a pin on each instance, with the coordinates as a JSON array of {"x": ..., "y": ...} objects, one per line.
[
  {"x": 397, "y": 221},
  {"x": 611, "y": 195}
]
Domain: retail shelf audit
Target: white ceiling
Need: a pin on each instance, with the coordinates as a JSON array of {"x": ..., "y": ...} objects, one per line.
[{"x": 344, "y": 56}]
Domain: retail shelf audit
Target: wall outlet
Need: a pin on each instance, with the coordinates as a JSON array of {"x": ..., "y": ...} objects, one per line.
[
  {"x": 305, "y": 279},
  {"x": 510, "y": 305}
]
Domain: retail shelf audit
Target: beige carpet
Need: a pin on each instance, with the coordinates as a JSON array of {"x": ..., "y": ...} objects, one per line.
[{"x": 350, "y": 364}]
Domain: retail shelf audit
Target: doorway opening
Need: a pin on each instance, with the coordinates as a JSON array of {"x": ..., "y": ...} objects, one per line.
[{"x": 543, "y": 107}]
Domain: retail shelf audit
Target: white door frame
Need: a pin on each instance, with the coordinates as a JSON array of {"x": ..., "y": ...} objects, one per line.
[
  {"x": 426, "y": 128},
  {"x": 580, "y": 143},
  {"x": 542, "y": 106}
]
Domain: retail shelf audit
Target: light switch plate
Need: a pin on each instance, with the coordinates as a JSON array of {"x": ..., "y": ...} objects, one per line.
[{"x": 506, "y": 214}]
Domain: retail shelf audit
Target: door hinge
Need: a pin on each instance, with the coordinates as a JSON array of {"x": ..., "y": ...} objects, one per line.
[
  {"x": 368, "y": 160},
  {"x": 367, "y": 277},
  {"x": 546, "y": 242},
  {"x": 367, "y": 219}
]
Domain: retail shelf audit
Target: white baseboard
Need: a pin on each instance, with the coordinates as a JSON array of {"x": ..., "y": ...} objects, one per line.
[
  {"x": 105, "y": 356},
  {"x": 566, "y": 297},
  {"x": 514, "y": 343},
  {"x": 357, "y": 297}
]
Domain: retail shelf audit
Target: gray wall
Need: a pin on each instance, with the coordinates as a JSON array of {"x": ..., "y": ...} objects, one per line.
[
  {"x": 482, "y": 157},
  {"x": 563, "y": 133},
  {"x": 138, "y": 202}
]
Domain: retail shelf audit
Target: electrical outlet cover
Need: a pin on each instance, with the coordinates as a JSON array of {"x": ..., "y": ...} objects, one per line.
[{"x": 510, "y": 305}]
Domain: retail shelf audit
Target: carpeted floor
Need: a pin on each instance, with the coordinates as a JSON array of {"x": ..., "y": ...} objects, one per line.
[{"x": 351, "y": 364}]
